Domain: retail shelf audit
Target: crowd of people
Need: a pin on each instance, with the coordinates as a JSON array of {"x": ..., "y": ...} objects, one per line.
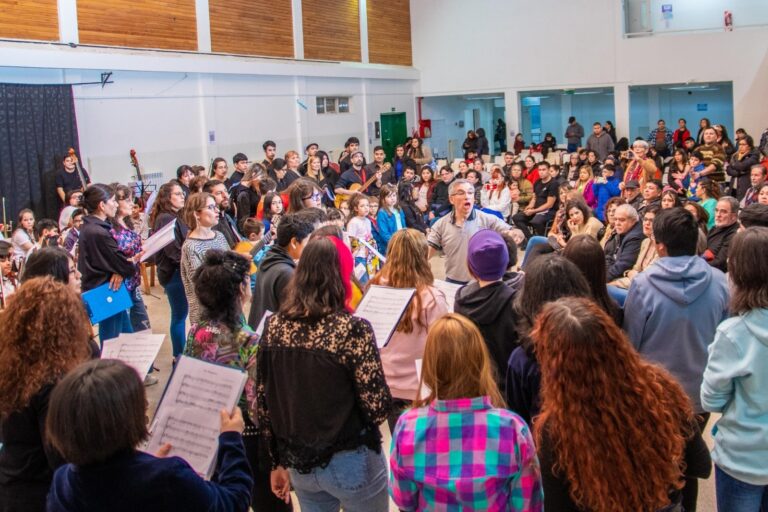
[{"x": 580, "y": 379}]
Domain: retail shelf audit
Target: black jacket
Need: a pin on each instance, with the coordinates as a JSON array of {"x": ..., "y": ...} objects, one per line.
[
  {"x": 414, "y": 218},
  {"x": 169, "y": 257},
  {"x": 491, "y": 309},
  {"x": 740, "y": 169},
  {"x": 99, "y": 256},
  {"x": 718, "y": 241},
  {"x": 440, "y": 200},
  {"x": 627, "y": 249},
  {"x": 275, "y": 271}
]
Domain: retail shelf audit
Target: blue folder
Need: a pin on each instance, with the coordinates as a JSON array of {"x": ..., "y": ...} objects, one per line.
[{"x": 102, "y": 303}]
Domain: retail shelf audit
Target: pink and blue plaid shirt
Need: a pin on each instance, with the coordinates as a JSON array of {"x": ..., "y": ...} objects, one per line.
[{"x": 464, "y": 454}]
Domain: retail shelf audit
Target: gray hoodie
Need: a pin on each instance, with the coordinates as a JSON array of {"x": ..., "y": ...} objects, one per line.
[{"x": 671, "y": 313}]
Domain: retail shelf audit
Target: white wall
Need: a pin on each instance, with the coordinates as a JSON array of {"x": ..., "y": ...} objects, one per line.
[
  {"x": 167, "y": 117},
  {"x": 698, "y": 14},
  {"x": 451, "y": 110},
  {"x": 551, "y": 44}
]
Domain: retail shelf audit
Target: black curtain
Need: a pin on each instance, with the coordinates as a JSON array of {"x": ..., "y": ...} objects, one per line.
[{"x": 37, "y": 127}]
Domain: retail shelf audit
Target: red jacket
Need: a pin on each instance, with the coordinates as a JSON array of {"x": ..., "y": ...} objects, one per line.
[{"x": 679, "y": 137}]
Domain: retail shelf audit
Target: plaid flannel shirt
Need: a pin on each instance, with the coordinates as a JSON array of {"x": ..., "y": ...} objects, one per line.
[
  {"x": 464, "y": 454},
  {"x": 667, "y": 138}
]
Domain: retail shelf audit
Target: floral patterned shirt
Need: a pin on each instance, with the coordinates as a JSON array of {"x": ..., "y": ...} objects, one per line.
[
  {"x": 129, "y": 244},
  {"x": 215, "y": 342}
]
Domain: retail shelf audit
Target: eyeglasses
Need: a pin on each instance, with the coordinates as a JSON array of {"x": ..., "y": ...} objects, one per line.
[
  {"x": 316, "y": 196},
  {"x": 211, "y": 207},
  {"x": 463, "y": 193}
]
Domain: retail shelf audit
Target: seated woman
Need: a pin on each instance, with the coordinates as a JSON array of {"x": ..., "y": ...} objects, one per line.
[
  {"x": 487, "y": 464},
  {"x": 580, "y": 219},
  {"x": 589, "y": 418},
  {"x": 221, "y": 335},
  {"x": 46, "y": 333},
  {"x": 559, "y": 230},
  {"x": 584, "y": 185},
  {"x": 495, "y": 195},
  {"x": 97, "y": 418},
  {"x": 54, "y": 262}
]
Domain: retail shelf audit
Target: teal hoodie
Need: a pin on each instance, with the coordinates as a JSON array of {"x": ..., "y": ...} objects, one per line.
[{"x": 735, "y": 384}]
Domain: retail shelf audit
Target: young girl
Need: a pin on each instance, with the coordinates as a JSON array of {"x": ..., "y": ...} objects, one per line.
[
  {"x": 708, "y": 193},
  {"x": 424, "y": 190},
  {"x": 23, "y": 238},
  {"x": 584, "y": 185},
  {"x": 679, "y": 172},
  {"x": 531, "y": 172},
  {"x": 411, "y": 212},
  {"x": 373, "y": 212},
  {"x": 490, "y": 462},
  {"x": 97, "y": 419},
  {"x": 494, "y": 195},
  {"x": 360, "y": 231},
  {"x": 273, "y": 208},
  {"x": 390, "y": 217},
  {"x": 407, "y": 267}
]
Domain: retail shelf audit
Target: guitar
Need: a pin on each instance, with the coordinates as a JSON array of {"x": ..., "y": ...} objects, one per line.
[
  {"x": 142, "y": 190},
  {"x": 80, "y": 173},
  {"x": 356, "y": 187}
]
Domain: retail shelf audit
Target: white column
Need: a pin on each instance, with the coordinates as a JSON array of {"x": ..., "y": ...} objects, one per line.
[
  {"x": 363, "y": 7},
  {"x": 68, "y": 21},
  {"x": 203, "y": 16},
  {"x": 207, "y": 118},
  {"x": 298, "y": 29},
  {"x": 621, "y": 110},
  {"x": 512, "y": 115}
]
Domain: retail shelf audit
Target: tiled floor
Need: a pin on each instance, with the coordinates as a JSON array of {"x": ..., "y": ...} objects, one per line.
[{"x": 159, "y": 313}]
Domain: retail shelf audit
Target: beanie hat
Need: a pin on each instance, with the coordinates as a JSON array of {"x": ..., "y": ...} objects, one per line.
[{"x": 487, "y": 255}]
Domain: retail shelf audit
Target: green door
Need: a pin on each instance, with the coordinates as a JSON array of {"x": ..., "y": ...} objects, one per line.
[{"x": 393, "y": 132}]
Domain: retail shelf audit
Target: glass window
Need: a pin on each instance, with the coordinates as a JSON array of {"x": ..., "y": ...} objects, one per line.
[
  {"x": 330, "y": 105},
  {"x": 320, "y": 105},
  {"x": 344, "y": 105}
]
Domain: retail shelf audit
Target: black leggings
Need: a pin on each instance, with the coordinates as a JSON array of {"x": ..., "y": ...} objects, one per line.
[{"x": 691, "y": 489}]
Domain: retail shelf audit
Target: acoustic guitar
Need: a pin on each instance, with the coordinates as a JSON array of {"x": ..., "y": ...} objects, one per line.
[{"x": 357, "y": 187}]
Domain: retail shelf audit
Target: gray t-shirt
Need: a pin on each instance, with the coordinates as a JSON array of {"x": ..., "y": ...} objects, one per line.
[{"x": 453, "y": 240}]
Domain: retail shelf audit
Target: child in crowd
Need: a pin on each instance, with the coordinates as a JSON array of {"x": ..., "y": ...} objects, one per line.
[
  {"x": 696, "y": 161},
  {"x": 344, "y": 208},
  {"x": 72, "y": 234},
  {"x": 494, "y": 195},
  {"x": 373, "y": 212},
  {"x": 97, "y": 419},
  {"x": 255, "y": 245},
  {"x": 490, "y": 462},
  {"x": 360, "y": 230},
  {"x": 273, "y": 208},
  {"x": 390, "y": 217},
  {"x": 475, "y": 179}
]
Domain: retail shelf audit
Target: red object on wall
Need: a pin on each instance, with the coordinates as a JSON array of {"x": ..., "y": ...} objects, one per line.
[{"x": 425, "y": 128}]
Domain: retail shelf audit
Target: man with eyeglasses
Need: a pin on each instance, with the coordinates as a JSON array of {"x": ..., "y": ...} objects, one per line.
[
  {"x": 719, "y": 237},
  {"x": 451, "y": 233}
]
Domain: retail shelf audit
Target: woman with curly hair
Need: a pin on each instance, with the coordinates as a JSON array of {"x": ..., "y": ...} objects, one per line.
[
  {"x": 46, "y": 333},
  {"x": 615, "y": 432},
  {"x": 221, "y": 335}
]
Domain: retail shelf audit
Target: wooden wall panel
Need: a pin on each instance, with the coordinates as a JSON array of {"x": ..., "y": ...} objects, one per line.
[
  {"x": 163, "y": 24},
  {"x": 252, "y": 27},
  {"x": 331, "y": 29},
  {"x": 29, "y": 19},
  {"x": 389, "y": 32}
]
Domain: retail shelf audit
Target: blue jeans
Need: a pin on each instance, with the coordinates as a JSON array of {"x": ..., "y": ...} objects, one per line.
[
  {"x": 112, "y": 327},
  {"x": 618, "y": 294},
  {"x": 138, "y": 313},
  {"x": 174, "y": 289},
  {"x": 572, "y": 148},
  {"x": 736, "y": 496},
  {"x": 355, "y": 480},
  {"x": 533, "y": 242}
]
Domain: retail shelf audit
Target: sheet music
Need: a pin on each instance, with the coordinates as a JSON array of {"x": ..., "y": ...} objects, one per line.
[
  {"x": 383, "y": 306},
  {"x": 425, "y": 391},
  {"x": 188, "y": 414},
  {"x": 150, "y": 202},
  {"x": 382, "y": 258},
  {"x": 263, "y": 322},
  {"x": 158, "y": 240},
  {"x": 449, "y": 289},
  {"x": 137, "y": 350}
]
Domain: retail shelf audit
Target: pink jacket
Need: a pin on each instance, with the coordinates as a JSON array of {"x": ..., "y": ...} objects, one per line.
[
  {"x": 399, "y": 356},
  {"x": 589, "y": 195}
]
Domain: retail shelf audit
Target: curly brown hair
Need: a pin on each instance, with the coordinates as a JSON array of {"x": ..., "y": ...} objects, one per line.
[
  {"x": 616, "y": 424},
  {"x": 45, "y": 334}
]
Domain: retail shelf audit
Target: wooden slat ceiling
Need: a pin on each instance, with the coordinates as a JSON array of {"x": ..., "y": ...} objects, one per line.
[
  {"x": 29, "y": 19},
  {"x": 163, "y": 24},
  {"x": 252, "y": 27},
  {"x": 389, "y": 32},
  {"x": 331, "y": 29}
]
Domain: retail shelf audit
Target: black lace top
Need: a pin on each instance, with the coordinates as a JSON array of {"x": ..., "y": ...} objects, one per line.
[{"x": 320, "y": 389}]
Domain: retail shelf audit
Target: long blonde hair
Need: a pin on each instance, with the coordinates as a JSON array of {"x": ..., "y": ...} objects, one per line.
[
  {"x": 407, "y": 266},
  {"x": 456, "y": 363}
]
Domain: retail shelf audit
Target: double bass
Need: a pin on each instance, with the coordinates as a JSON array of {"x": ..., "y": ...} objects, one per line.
[
  {"x": 80, "y": 174},
  {"x": 142, "y": 189}
]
